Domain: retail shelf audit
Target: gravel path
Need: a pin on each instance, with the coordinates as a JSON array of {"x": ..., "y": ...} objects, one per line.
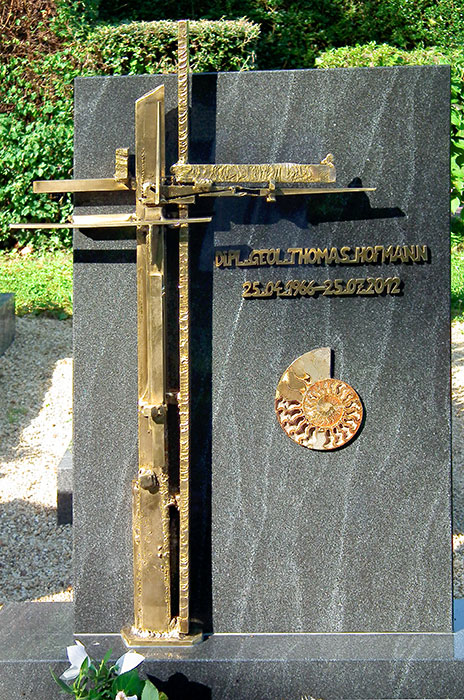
[{"x": 35, "y": 430}]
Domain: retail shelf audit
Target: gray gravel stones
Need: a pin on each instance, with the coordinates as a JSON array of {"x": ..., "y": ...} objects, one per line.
[{"x": 35, "y": 430}]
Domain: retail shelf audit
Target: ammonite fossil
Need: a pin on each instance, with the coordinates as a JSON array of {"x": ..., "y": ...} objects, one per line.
[{"x": 315, "y": 410}]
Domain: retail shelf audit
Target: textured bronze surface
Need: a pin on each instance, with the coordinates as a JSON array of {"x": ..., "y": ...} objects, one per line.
[
  {"x": 254, "y": 173},
  {"x": 184, "y": 426},
  {"x": 182, "y": 91},
  {"x": 313, "y": 409},
  {"x": 121, "y": 166},
  {"x": 150, "y": 515},
  {"x": 184, "y": 339}
]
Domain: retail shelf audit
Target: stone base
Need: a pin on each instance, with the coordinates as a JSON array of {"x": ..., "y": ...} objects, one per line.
[
  {"x": 34, "y": 636},
  {"x": 7, "y": 321},
  {"x": 64, "y": 496}
]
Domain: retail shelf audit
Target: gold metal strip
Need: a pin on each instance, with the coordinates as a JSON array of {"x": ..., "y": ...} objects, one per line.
[
  {"x": 152, "y": 602},
  {"x": 184, "y": 423},
  {"x": 151, "y": 515},
  {"x": 184, "y": 338},
  {"x": 254, "y": 172},
  {"x": 149, "y": 156},
  {"x": 94, "y": 222},
  {"x": 183, "y": 91},
  {"x": 102, "y": 184}
]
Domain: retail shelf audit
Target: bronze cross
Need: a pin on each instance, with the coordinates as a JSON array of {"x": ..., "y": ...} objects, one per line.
[{"x": 158, "y": 618}]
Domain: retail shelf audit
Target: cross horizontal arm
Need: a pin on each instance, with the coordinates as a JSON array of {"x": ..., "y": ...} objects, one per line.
[
  {"x": 291, "y": 173},
  {"x": 103, "y": 221},
  {"x": 102, "y": 184},
  {"x": 279, "y": 191}
]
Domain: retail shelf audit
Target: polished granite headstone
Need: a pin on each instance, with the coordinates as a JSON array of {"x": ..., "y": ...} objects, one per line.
[
  {"x": 7, "y": 320},
  {"x": 285, "y": 539}
]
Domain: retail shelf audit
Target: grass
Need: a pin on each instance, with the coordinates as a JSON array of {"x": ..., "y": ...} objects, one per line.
[
  {"x": 457, "y": 283},
  {"x": 41, "y": 282},
  {"x": 457, "y": 268}
]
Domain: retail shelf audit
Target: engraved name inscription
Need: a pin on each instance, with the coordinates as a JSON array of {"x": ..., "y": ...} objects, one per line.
[{"x": 346, "y": 255}]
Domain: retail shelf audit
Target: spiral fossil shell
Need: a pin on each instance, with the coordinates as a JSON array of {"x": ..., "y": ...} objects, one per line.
[{"x": 326, "y": 415}]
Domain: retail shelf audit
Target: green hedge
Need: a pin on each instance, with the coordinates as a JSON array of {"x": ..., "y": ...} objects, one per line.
[
  {"x": 36, "y": 115},
  {"x": 294, "y": 32},
  {"x": 373, "y": 54},
  {"x": 151, "y": 47}
]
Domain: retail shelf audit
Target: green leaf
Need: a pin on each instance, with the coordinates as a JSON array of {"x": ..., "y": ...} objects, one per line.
[
  {"x": 129, "y": 682},
  {"x": 107, "y": 656},
  {"x": 62, "y": 684},
  {"x": 62, "y": 315},
  {"x": 150, "y": 692}
]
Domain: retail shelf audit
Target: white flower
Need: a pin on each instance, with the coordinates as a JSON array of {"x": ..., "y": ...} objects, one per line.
[
  {"x": 76, "y": 655},
  {"x": 122, "y": 696},
  {"x": 128, "y": 661}
]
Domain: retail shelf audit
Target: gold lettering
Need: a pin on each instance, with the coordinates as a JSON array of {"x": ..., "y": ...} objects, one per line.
[
  {"x": 368, "y": 254},
  {"x": 300, "y": 257},
  {"x": 264, "y": 257},
  {"x": 293, "y": 252},
  {"x": 234, "y": 258},
  {"x": 271, "y": 256},
  {"x": 253, "y": 258},
  {"x": 304, "y": 257},
  {"x": 378, "y": 251},
  {"x": 282, "y": 261},
  {"x": 220, "y": 258},
  {"x": 261, "y": 256},
  {"x": 399, "y": 253},
  {"x": 321, "y": 255},
  {"x": 387, "y": 254},
  {"x": 345, "y": 254},
  {"x": 409, "y": 253},
  {"x": 422, "y": 253},
  {"x": 333, "y": 256},
  {"x": 358, "y": 254}
]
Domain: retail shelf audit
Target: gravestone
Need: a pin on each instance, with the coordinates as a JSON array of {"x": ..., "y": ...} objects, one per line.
[
  {"x": 7, "y": 320},
  {"x": 286, "y": 539},
  {"x": 313, "y": 572}
]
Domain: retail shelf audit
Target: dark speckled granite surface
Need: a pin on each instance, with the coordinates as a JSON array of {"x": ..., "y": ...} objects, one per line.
[{"x": 285, "y": 539}]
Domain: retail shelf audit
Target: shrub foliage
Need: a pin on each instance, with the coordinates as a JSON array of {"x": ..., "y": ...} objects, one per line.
[
  {"x": 151, "y": 47},
  {"x": 294, "y": 32},
  {"x": 36, "y": 116}
]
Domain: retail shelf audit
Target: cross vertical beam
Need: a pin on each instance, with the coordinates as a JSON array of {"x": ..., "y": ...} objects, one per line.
[
  {"x": 151, "y": 489},
  {"x": 184, "y": 339}
]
